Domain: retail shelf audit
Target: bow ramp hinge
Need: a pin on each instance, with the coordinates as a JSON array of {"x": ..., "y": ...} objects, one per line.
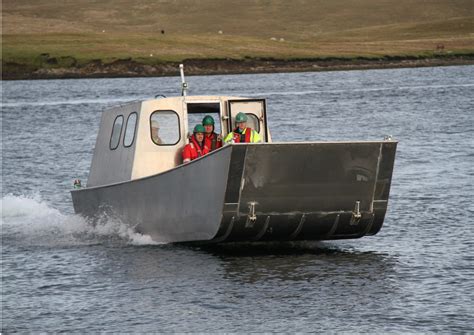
[
  {"x": 251, "y": 216},
  {"x": 356, "y": 214}
]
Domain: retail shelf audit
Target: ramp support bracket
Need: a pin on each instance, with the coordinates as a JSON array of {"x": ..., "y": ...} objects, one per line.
[
  {"x": 251, "y": 217},
  {"x": 356, "y": 214}
]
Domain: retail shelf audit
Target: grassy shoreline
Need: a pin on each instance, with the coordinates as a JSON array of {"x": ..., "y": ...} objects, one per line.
[
  {"x": 123, "y": 38},
  {"x": 68, "y": 67}
]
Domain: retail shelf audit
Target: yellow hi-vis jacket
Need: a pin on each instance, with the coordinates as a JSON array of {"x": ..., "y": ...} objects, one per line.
[{"x": 234, "y": 137}]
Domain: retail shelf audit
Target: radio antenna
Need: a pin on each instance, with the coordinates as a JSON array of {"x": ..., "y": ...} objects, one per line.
[{"x": 184, "y": 84}]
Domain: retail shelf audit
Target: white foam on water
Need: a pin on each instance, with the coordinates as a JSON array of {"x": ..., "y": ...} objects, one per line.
[
  {"x": 31, "y": 220},
  {"x": 20, "y": 206}
]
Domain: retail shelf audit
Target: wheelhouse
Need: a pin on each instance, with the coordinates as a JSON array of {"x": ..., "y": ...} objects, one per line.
[{"x": 141, "y": 139}]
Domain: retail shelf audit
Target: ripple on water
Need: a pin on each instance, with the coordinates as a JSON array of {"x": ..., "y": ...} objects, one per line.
[{"x": 60, "y": 273}]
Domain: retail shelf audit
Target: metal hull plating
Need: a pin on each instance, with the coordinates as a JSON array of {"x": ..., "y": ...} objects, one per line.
[{"x": 250, "y": 192}]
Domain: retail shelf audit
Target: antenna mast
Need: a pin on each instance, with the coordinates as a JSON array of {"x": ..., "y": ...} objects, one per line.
[{"x": 184, "y": 84}]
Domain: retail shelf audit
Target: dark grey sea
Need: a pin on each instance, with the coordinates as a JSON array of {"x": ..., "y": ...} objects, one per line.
[{"x": 61, "y": 274}]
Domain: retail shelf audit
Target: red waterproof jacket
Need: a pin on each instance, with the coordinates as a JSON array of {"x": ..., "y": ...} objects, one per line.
[
  {"x": 212, "y": 142},
  {"x": 193, "y": 150}
]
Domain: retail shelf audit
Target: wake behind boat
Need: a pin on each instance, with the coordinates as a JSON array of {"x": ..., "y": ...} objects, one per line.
[{"x": 241, "y": 192}]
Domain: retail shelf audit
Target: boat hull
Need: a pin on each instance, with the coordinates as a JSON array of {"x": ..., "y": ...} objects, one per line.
[{"x": 251, "y": 192}]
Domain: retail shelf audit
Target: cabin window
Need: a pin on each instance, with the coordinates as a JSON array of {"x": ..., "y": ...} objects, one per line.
[
  {"x": 130, "y": 130},
  {"x": 164, "y": 128},
  {"x": 253, "y": 122},
  {"x": 198, "y": 110},
  {"x": 255, "y": 109},
  {"x": 194, "y": 119},
  {"x": 116, "y": 132}
]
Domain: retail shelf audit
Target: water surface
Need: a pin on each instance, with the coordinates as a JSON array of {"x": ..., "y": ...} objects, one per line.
[{"x": 60, "y": 274}]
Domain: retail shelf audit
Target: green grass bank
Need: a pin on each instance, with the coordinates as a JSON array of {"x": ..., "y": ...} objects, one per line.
[{"x": 86, "y": 38}]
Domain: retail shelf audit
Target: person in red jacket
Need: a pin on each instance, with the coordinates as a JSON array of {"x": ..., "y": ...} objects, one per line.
[
  {"x": 211, "y": 139},
  {"x": 196, "y": 147}
]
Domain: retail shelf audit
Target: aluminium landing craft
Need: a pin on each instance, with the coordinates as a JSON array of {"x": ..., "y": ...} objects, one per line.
[{"x": 241, "y": 192}]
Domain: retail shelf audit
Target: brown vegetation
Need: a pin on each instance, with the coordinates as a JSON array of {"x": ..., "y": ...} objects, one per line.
[{"x": 43, "y": 36}]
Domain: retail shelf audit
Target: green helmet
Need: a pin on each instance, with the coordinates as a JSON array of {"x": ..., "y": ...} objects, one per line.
[
  {"x": 199, "y": 129},
  {"x": 241, "y": 117},
  {"x": 208, "y": 121}
]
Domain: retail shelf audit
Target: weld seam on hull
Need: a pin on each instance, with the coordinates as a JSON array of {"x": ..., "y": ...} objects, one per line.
[
  {"x": 298, "y": 229},
  {"x": 227, "y": 233},
  {"x": 376, "y": 177},
  {"x": 263, "y": 230},
  {"x": 242, "y": 178},
  {"x": 369, "y": 225},
  {"x": 334, "y": 226}
]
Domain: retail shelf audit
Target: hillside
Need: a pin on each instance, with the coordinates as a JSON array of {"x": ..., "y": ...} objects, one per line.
[{"x": 40, "y": 34}]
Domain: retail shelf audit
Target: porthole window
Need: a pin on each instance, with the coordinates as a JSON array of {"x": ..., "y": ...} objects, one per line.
[
  {"x": 116, "y": 132},
  {"x": 164, "y": 127},
  {"x": 130, "y": 130}
]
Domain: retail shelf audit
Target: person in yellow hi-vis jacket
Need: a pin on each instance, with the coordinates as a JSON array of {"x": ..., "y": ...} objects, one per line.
[{"x": 242, "y": 133}]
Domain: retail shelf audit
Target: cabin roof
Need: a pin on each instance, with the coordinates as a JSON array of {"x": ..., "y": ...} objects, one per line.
[
  {"x": 201, "y": 97},
  {"x": 189, "y": 98}
]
